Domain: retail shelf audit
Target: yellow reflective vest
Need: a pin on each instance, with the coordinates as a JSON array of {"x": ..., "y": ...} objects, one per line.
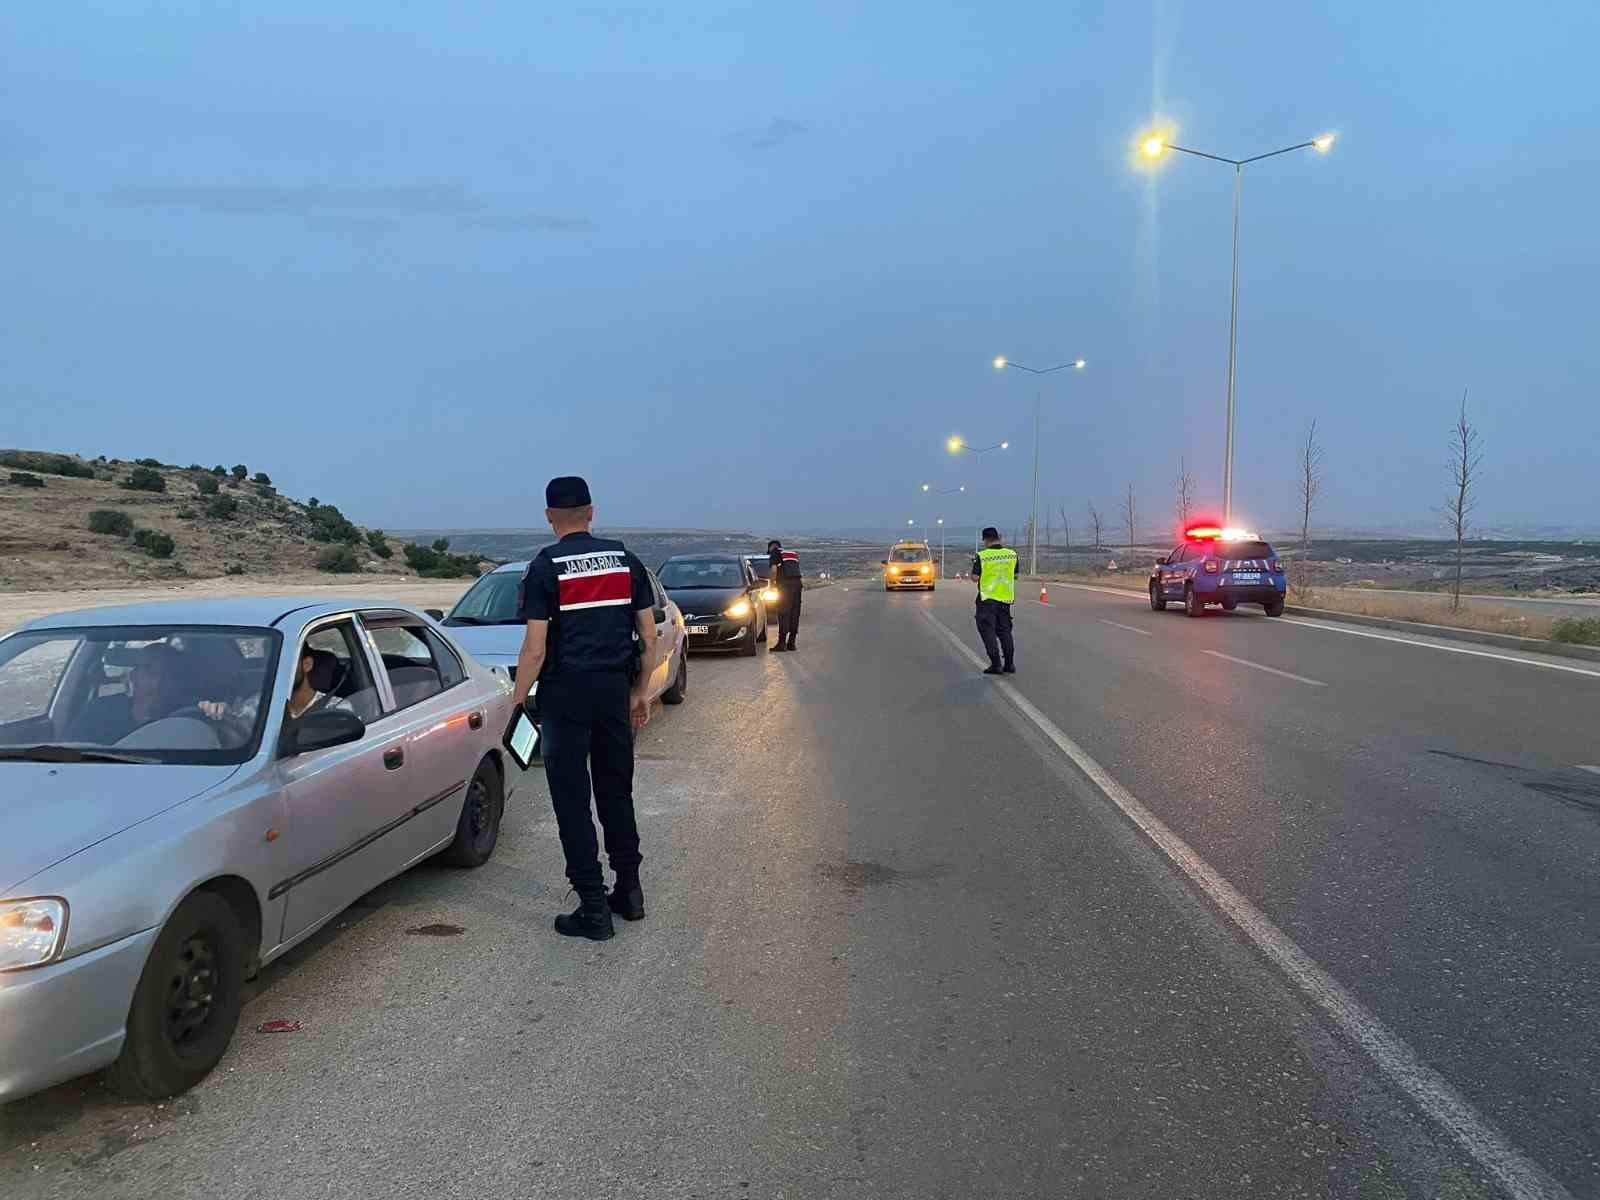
[{"x": 997, "y": 574}]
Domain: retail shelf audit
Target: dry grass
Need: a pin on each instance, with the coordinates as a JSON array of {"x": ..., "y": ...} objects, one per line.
[{"x": 1480, "y": 617}]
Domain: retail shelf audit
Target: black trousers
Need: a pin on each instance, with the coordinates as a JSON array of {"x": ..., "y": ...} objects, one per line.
[
  {"x": 788, "y": 611},
  {"x": 994, "y": 627},
  {"x": 585, "y": 732}
]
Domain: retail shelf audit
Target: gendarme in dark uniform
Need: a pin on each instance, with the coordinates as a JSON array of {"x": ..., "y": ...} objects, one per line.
[
  {"x": 587, "y": 592},
  {"x": 784, "y": 574}
]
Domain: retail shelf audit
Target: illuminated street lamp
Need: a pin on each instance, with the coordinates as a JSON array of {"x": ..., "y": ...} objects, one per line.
[
  {"x": 1001, "y": 362},
  {"x": 1154, "y": 146},
  {"x": 956, "y": 444}
]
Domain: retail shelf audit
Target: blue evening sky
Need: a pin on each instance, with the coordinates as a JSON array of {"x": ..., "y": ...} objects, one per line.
[{"x": 747, "y": 264}]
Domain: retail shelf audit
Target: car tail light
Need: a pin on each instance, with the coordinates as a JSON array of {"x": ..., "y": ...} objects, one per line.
[{"x": 1212, "y": 566}]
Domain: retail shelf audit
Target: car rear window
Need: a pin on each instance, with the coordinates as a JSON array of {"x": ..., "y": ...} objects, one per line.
[{"x": 1234, "y": 551}]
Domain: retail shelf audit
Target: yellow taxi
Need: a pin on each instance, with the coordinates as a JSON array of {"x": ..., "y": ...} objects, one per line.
[{"x": 909, "y": 565}]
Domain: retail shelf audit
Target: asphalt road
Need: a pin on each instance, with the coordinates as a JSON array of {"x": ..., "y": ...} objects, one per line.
[{"x": 903, "y": 942}]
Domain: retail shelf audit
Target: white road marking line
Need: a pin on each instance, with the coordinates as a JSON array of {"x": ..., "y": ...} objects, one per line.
[
  {"x": 1125, "y": 593},
  {"x": 1389, "y": 637},
  {"x": 1245, "y": 662},
  {"x": 1586, "y": 767},
  {"x": 1129, "y": 628},
  {"x": 1521, "y": 1178}
]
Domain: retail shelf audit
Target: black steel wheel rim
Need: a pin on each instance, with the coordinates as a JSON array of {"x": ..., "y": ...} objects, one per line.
[{"x": 192, "y": 981}]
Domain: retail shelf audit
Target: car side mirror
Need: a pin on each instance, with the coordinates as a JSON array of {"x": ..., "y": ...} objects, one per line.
[
  {"x": 321, "y": 730},
  {"x": 884, "y": 561},
  {"x": 436, "y": 613},
  {"x": 660, "y": 615}
]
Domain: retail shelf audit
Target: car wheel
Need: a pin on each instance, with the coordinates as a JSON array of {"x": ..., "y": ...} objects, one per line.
[
  {"x": 748, "y": 646},
  {"x": 1192, "y": 604},
  {"x": 1273, "y": 608},
  {"x": 1158, "y": 602},
  {"x": 1229, "y": 604},
  {"x": 186, "y": 1006},
  {"x": 478, "y": 828},
  {"x": 680, "y": 685}
]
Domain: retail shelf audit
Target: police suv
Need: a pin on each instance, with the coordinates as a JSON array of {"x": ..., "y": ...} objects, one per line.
[{"x": 1219, "y": 566}]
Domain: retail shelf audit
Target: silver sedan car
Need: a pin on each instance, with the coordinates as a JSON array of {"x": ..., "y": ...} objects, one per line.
[{"x": 192, "y": 788}]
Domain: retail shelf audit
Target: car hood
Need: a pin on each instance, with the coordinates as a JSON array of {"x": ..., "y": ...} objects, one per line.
[
  {"x": 51, "y": 811},
  {"x": 491, "y": 645},
  {"x": 704, "y": 602}
]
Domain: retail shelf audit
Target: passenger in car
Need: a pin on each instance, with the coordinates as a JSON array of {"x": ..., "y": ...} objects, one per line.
[{"x": 316, "y": 676}]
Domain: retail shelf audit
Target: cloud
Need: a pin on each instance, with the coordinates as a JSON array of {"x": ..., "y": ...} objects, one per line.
[
  {"x": 249, "y": 199},
  {"x": 768, "y": 135},
  {"x": 548, "y": 222}
]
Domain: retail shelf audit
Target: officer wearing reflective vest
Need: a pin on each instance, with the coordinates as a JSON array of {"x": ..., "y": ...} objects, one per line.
[
  {"x": 784, "y": 574},
  {"x": 591, "y": 644},
  {"x": 994, "y": 569}
]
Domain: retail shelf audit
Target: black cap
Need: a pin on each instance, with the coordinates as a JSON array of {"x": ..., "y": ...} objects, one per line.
[
  {"x": 774, "y": 542},
  {"x": 567, "y": 491},
  {"x": 989, "y": 531}
]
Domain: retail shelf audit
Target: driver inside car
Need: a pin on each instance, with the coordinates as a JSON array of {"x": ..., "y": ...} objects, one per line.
[{"x": 152, "y": 693}]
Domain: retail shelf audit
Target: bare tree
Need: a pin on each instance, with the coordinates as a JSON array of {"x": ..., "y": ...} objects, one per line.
[
  {"x": 1130, "y": 513},
  {"x": 1097, "y": 523},
  {"x": 1310, "y": 481},
  {"x": 1185, "y": 501},
  {"x": 1465, "y": 456},
  {"x": 1066, "y": 530}
]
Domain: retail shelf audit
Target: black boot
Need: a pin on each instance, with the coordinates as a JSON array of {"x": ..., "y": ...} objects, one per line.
[
  {"x": 992, "y": 669},
  {"x": 627, "y": 898},
  {"x": 591, "y": 919},
  {"x": 1009, "y": 668}
]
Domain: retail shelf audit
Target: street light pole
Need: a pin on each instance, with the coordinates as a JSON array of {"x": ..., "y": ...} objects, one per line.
[
  {"x": 1000, "y": 364},
  {"x": 1154, "y": 147},
  {"x": 941, "y": 547}
]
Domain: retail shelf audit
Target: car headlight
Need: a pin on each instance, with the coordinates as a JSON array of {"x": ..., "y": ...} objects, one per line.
[
  {"x": 31, "y": 931},
  {"x": 927, "y": 569},
  {"x": 770, "y": 595},
  {"x": 738, "y": 610}
]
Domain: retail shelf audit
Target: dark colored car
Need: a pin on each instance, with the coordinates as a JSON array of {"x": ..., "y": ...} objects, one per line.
[
  {"x": 721, "y": 600},
  {"x": 1219, "y": 566}
]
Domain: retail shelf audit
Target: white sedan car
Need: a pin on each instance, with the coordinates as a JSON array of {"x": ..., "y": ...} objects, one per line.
[{"x": 484, "y": 622}]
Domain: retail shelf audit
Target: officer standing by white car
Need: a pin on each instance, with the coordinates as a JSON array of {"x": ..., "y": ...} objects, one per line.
[{"x": 590, "y": 643}]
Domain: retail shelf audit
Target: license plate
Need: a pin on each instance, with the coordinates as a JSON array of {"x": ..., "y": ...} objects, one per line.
[
  {"x": 699, "y": 629},
  {"x": 1247, "y": 576}
]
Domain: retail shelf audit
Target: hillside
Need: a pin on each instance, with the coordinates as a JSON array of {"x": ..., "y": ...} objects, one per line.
[{"x": 219, "y": 524}]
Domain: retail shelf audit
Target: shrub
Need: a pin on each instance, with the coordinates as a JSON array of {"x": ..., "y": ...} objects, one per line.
[
  {"x": 207, "y": 486},
  {"x": 147, "y": 462},
  {"x": 23, "y": 479},
  {"x": 62, "y": 465},
  {"x": 339, "y": 560},
  {"x": 62, "y": 545},
  {"x": 431, "y": 563},
  {"x": 46, "y": 464},
  {"x": 379, "y": 544},
  {"x": 263, "y": 479},
  {"x": 1579, "y": 631},
  {"x": 240, "y": 471},
  {"x": 196, "y": 468},
  {"x": 234, "y": 569},
  {"x": 110, "y": 520},
  {"x": 264, "y": 490},
  {"x": 328, "y": 524},
  {"x": 185, "y": 513},
  {"x": 222, "y": 508},
  {"x": 313, "y": 502},
  {"x": 219, "y": 469},
  {"x": 154, "y": 543},
  {"x": 143, "y": 479}
]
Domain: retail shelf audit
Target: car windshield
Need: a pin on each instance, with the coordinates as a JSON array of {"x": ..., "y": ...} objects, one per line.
[
  {"x": 1234, "y": 551},
  {"x": 910, "y": 554},
  {"x": 149, "y": 693},
  {"x": 494, "y": 600},
  {"x": 701, "y": 573}
]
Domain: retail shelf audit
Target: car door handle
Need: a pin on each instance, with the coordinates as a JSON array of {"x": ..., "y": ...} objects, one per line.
[
  {"x": 394, "y": 758},
  {"x": 475, "y": 721}
]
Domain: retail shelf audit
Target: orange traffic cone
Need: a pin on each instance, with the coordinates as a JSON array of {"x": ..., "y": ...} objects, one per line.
[{"x": 1044, "y": 594}]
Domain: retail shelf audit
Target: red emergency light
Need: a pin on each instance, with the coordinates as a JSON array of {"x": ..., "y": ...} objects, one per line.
[{"x": 1203, "y": 533}]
